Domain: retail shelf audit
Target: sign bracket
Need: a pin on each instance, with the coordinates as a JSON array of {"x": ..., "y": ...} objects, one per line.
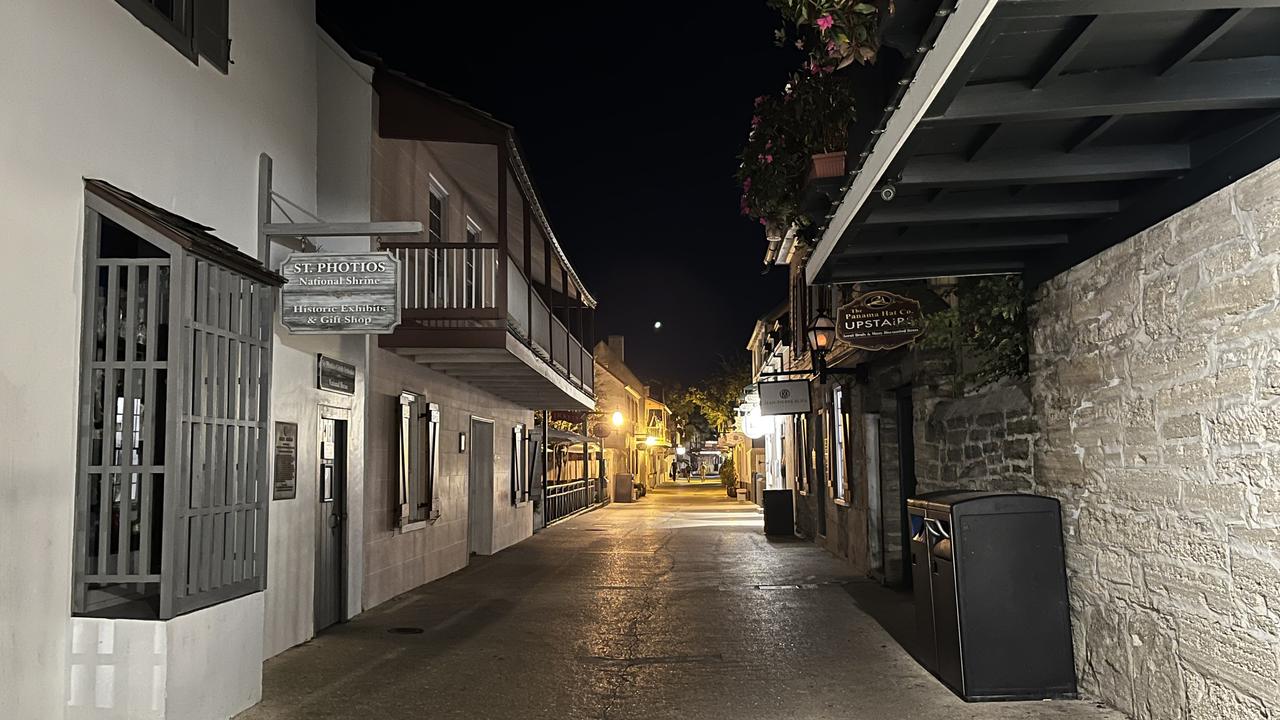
[{"x": 295, "y": 235}]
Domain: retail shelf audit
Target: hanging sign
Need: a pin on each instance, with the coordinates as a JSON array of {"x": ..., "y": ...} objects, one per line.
[
  {"x": 879, "y": 321},
  {"x": 784, "y": 397},
  {"x": 335, "y": 376},
  {"x": 285, "y": 486},
  {"x": 340, "y": 293}
]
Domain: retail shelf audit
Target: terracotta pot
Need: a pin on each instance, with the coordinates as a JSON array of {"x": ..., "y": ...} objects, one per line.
[{"x": 827, "y": 165}]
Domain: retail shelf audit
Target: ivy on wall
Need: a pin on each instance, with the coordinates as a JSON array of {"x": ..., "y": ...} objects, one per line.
[{"x": 987, "y": 325}]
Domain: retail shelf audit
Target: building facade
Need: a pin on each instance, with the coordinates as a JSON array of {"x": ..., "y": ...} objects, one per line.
[
  {"x": 1145, "y": 410},
  {"x": 233, "y": 488}
]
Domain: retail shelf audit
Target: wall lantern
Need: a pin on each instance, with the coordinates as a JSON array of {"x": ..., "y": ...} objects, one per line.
[
  {"x": 462, "y": 442},
  {"x": 680, "y": 451},
  {"x": 650, "y": 441},
  {"x": 822, "y": 336},
  {"x": 617, "y": 418}
]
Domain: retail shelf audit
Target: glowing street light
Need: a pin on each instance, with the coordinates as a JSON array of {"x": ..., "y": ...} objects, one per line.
[
  {"x": 617, "y": 418},
  {"x": 650, "y": 441},
  {"x": 680, "y": 450}
]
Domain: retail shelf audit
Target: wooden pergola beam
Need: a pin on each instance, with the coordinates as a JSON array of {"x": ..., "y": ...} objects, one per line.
[
  {"x": 970, "y": 212},
  {"x": 1235, "y": 84},
  {"x": 1064, "y": 8},
  {"x": 1037, "y": 168}
]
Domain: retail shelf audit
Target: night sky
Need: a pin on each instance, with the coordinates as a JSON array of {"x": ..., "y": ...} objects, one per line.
[{"x": 630, "y": 116}]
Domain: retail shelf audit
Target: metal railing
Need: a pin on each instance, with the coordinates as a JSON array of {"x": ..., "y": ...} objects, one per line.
[{"x": 570, "y": 498}]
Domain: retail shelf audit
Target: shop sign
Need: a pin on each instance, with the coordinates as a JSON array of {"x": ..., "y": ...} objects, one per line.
[
  {"x": 879, "y": 321},
  {"x": 340, "y": 293},
  {"x": 285, "y": 485},
  {"x": 336, "y": 376},
  {"x": 784, "y": 397}
]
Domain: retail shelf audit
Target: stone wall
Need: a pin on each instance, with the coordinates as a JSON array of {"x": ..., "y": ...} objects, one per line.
[
  {"x": 1156, "y": 380},
  {"x": 983, "y": 441}
]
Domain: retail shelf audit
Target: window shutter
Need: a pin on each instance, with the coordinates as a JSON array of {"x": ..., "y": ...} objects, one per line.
[{"x": 212, "y": 38}]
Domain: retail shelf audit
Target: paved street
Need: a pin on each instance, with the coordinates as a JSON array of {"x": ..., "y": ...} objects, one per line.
[{"x": 675, "y": 607}]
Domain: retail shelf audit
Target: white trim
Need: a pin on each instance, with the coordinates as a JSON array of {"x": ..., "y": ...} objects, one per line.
[
  {"x": 474, "y": 227},
  {"x": 956, "y": 35}
]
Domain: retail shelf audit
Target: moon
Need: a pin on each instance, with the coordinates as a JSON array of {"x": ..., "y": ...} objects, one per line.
[{"x": 657, "y": 325}]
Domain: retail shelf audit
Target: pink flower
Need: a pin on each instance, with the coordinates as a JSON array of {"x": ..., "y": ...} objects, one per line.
[
  {"x": 768, "y": 158},
  {"x": 755, "y": 121},
  {"x": 825, "y": 22},
  {"x": 831, "y": 48},
  {"x": 764, "y": 222}
]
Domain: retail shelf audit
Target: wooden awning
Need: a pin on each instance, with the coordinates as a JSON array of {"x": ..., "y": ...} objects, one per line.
[{"x": 1066, "y": 126}]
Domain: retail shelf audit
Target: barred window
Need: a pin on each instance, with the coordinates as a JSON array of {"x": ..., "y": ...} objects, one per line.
[{"x": 171, "y": 497}]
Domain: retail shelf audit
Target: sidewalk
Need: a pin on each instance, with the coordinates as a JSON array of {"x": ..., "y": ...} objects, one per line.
[{"x": 672, "y": 607}]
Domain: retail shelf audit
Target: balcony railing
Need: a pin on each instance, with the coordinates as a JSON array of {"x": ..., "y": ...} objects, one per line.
[
  {"x": 447, "y": 277},
  {"x": 454, "y": 286}
]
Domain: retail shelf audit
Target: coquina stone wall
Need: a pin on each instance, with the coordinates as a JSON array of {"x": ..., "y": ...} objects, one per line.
[
  {"x": 982, "y": 441},
  {"x": 1156, "y": 384}
]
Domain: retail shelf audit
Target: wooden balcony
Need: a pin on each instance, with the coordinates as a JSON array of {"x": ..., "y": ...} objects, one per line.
[{"x": 468, "y": 312}]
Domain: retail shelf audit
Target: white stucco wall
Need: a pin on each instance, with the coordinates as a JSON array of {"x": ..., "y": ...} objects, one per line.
[
  {"x": 149, "y": 670},
  {"x": 343, "y": 128},
  {"x": 88, "y": 91},
  {"x": 397, "y": 561}
]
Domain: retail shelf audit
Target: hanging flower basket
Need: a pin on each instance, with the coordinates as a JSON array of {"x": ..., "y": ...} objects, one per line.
[{"x": 827, "y": 165}]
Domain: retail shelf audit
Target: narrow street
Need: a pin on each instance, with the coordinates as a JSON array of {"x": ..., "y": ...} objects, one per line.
[{"x": 674, "y": 607}]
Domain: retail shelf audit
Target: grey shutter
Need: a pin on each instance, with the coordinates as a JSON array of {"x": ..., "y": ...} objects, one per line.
[{"x": 211, "y": 31}]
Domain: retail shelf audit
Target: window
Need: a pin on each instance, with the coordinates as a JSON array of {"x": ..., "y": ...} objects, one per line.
[
  {"x": 196, "y": 28},
  {"x": 171, "y": 482},
  {"x": 419, "y": 459},
  {"x": 839, "y": 444},
  {"x": 521, "y": 470},
  {"x": 435, "y": 212}
]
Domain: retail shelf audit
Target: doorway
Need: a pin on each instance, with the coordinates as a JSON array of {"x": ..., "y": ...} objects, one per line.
[
  {"x": 480, "y": 488},
  {"x": 331, "y": 517},
  {"x": 907, "y": 478}
]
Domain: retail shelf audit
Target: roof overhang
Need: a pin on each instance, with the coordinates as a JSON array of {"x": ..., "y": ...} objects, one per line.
[{"x": 1036, "y": 133}]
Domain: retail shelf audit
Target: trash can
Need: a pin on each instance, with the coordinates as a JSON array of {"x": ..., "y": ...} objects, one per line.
[
  {"x": 624, "y": 487},
  {"x": 990, "y": 583},
  {"x": 779, "y": 515}
]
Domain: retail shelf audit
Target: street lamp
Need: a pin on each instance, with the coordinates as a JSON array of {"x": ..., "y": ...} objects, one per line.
[
  {"x": 617, "y": 418},
  {"x": 650, "y": 441},
  {"x": 822, "y": 335}
]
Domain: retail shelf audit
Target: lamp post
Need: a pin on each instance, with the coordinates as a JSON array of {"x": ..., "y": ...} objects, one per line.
[{"x": 821, "y": 336}]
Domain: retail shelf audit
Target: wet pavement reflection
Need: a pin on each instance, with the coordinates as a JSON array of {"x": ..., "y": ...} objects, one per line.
[{"x": 676, "y": 606}]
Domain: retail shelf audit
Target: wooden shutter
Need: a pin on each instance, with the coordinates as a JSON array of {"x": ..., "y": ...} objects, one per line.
[{"x": 211, "y": 32}]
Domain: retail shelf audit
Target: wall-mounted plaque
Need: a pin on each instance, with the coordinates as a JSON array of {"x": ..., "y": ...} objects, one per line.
[
  {"x": 336, "y": 376},
  {"x": 784, "y": 397},
  {"x": 879, "y": 321},
  {"x": 285, "y": 485},
  {"x": 340, "y": 293}
]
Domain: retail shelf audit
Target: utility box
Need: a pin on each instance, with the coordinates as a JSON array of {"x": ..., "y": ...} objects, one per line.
[
  {"x": 779, "y": 513},
  {"x": 992, "y": 616},
  {"x": 624, "y": 487}
]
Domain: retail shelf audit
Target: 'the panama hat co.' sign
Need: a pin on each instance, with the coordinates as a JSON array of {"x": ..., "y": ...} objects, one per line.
[{"x": 879, "y": 321}]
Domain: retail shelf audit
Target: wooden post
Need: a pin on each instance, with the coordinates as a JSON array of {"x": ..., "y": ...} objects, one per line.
[{"x": 500, "y": 294}]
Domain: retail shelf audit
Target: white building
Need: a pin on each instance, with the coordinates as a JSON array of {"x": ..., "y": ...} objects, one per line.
[{"x": 147, "y": 381}]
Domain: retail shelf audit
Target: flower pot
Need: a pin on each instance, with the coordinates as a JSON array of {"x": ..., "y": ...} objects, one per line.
[{"x": 827, "y": 165}]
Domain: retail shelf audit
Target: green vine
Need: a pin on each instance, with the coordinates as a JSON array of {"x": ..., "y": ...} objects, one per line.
[{"x": 988, "y": 324}]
